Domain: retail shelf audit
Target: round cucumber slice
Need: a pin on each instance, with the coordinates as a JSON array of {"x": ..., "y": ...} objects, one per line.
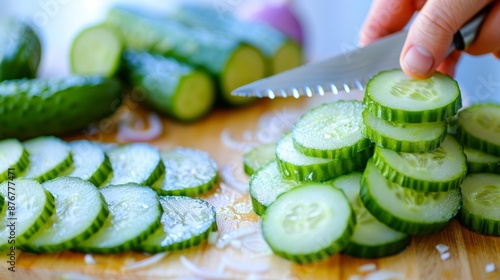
[
  {"x": 404, "y": 209},
  {"x": 308, "y": 223},
  {"x": 96, "y": 50},
  {"x": 481, "y": 203},
  {"x": 480, "y": 162},
  {"x": 14, "y": 159},
  {"x": 394, "y": 96},
  {"x": 331, "y": 130},
  {"x": 80, "y": 212},
  {"x": 91, "y": 163},
  {"x": 257, "y": 157}
]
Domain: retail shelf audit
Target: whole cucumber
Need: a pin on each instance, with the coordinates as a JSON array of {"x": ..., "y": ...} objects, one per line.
[
  {"x": 30, "y": 108},
  {"x": 20, "y": 50}
]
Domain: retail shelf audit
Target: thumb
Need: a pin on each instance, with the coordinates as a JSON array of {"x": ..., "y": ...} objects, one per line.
[{"x": 431, "y": 34}]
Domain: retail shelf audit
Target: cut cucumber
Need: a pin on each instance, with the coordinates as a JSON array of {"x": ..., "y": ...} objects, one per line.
[
  {"x": 33, "y": 206},
  {"x": 136, "y": 163},
  {"x": 171, "y": 87},
  {"x": 186, "y": 222},
  {"x": 404, "y": 209},
  {"x": 134, "y": 213},
  {"x": 266, "y": 184},
  {"x": 309, "y": 223},
  {"x": 404, "y": 137},
  {"x": 480, "y": 162},
  {"x": 96, "y": 50},
  {"x": 189, "y": 172},
  {"x": 440, "y": 170},
  {"x": 481, "y": 203},
  {"x": 371, "y": 238},
  {"x": 331, "y": 130},
  {"x": 91, "y": 163},
  {"x": 14, "y": 159},
  {"x": 80, "y": 212},
  {"x": 257, "y": 157},
  {"x": 393, "y": 96},
  {"x": 296, "y": 166},
  {"x": 49, "y": 156},
  {"x": 479, "y": 128}
]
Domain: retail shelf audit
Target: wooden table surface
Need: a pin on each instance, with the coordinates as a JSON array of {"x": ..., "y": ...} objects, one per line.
[{"x": 225, "y": 135}]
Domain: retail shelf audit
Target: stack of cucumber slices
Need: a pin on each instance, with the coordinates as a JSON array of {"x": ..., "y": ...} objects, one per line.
[
  {"x": 360, "y": 178},
  {"x": 79, "y": 196}
]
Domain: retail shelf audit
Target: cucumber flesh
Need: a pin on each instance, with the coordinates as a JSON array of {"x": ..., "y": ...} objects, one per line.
[
  {"x": 308, "y": 223},
  {"x": 287, "y": 57},
  {"x": 481, "y": 203},
  {"x": 189, "y": 172},
  {"x": 134, "y": 213},
  {"x": 371, "y": 238},
  {"x": 50, "y": 157},
  {"x": 186, "y": 222},
  {"x": 393, "y": 96},
  {"x": 96, "y": 50},
  {"x": 331, "y": 130},
  {"x": 257, "y": 157},
  {"x": 80, "y": 212},
  {"x": 34, "y": 206},
  {"x": 91, "y": 163},
  {"x": 14, "y": 159},
  {"x": 442, "y": 169},
  {"x": 404, "y": 209},
  {"x": 136, "y": 163},
  {"x": 480, "y": 162}
]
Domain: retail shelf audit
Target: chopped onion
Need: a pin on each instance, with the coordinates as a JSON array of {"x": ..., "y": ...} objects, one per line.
[
  {"x": 245, "y": 267},
  {"x": 89, "y": 259},
  {"x": 489, "y": 268},
  {"x": 131, "y": 128},
  {"x": 201, "y": 272},
  {"x": 445, "y": 256},
  {"x": 384, "y": 275},
  {"x": 442, "y": 248},
  {"x": 146, "y": 262},
  {"x": 233, "y": 144},
  {"x": 212, "y": 237},
  {"x": 367, "y": 267},
  {"x": 234, "y": 235},
  {"x": 227, "y": 176}
]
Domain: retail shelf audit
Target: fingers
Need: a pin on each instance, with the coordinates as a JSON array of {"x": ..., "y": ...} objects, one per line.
[
  {"x": 448, "y": 66},
  {"x": 488, "y": 39},
  {"x": 431, "y": 34},
  {"x": 386, "y": 17}
]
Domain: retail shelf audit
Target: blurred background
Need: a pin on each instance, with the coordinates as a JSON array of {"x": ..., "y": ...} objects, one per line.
[{"x": 331, "y": 27}]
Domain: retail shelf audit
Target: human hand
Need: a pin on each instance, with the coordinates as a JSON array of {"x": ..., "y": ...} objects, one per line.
[{"x": 432, "y": 31}]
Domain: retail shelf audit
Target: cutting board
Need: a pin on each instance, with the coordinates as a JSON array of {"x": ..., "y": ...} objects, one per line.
[{"x": 239, "y": 252}]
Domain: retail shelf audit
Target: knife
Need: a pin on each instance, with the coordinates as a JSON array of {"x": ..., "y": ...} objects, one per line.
[{"x": 349, "y": 70}]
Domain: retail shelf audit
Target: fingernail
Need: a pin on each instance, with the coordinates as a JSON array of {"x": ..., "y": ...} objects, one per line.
[{"x": 418, "y": 60}]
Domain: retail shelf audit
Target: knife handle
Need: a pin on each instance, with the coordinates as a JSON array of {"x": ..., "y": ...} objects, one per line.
[{"x": 468, "y": 32}]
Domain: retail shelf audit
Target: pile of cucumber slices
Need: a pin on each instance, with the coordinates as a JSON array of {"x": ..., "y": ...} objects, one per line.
[
  {"x": 87, "y": 197},
  {"x": 360, "y": 178}
]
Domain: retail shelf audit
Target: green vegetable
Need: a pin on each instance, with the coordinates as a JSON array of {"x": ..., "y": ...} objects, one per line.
[{"x": 14, "y": 159}]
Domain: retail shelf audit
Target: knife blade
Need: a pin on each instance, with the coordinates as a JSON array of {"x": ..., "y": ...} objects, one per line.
[{"x": 346, "y": 71}]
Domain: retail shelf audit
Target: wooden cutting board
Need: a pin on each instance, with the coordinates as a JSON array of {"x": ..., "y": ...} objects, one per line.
[{"x": 225, "y": 134}]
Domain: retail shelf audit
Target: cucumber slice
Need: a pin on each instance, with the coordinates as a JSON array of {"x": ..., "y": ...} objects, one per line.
[
  {"x": 91, "y": 163},
  {"x": 257, "y": 157},
  {"x": 14, "y": 159},
  {"x": 371, "y": 238},
  {"x": 309, "y": 223},
  {"x": 331, "y": 130},
  {"x": 440, "y": 170},
  {"x": 33, "y": 206},
  {"x": 393, "y": 96},
  {"x": 266, "y": 184},
  {"x": 189, "y": 172},
  {"x": 186, "y": 222},
  {"x": 480, "y": 211},
  {"x": 50, "y": 157},
  {"x": 404, "y": 209},
  {"x": 480, "y": 162},
  {"x": 136, "y": 163},
  {"x": 296, "y": 166},
  {"x": 134, "y": 213},
  {"x": 80, "y": 212},
  {"x": 404, "y": 137},
  {"x": 170, "y": 87},
  {"x": 479, "y": 128},
  {"x": 96, "y": 50}
]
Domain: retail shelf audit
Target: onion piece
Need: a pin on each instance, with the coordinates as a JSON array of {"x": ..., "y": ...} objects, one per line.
[
  {"x": 131, "y": 128},
  {"x": 201, "y": 272},
  {"x": 385, "y": 275},
  {"x": 489, "y": 268},
  {"x": 226, "y": 239},
  {"x": 227, "y": 176},
  {"x": 89, "y": 259},
  {"x": 146, "y": 262},
  {"x": 232, "y": 144},
  {"x": 442, "y": 248},
  {"x": 245, "y": 267},
  {"x": 367, "y": 267}
]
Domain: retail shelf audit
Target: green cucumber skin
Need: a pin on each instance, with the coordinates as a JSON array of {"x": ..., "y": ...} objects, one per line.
[
  {"x": 61, "y": 169},
  {"x": 50, "y": 208},
  {"x": 160, "y": 77},
  {"x": 479, "y": 224},
  {"x": 372, "y": 252},
  {"x": 19, "y": 168},
  {"x": 474, "y": 142},
  {"x": 103, "y": 173},
  {"x": 481, "y": 167},
  {"x": 191, "y": 192},
  {"x": 20, "y": 51},
  {"x": 30, "y": 108}
]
